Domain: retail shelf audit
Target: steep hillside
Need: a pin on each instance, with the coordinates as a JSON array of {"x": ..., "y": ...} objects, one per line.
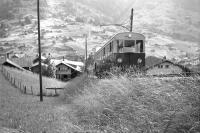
[{"x": 171, "y": 27}]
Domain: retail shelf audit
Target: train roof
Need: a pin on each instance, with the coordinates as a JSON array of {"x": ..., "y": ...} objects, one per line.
[{"x": 116, "y": 35}]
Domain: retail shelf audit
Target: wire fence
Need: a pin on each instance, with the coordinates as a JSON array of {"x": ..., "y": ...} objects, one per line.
[{"x": 30, "y": 88}]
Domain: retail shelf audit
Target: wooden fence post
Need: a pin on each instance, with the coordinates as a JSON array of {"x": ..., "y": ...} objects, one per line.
[
  {"x": 25, "y": 89},
  {"x": 20, "y": 85},
  {"x": 32, "y": 90},
  {"x": 55, "y": 92},
  {"x": 14, "y": 82}
]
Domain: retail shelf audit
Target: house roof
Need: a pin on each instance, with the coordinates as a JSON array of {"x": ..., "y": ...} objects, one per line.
[
  {"x": 25, "y": 61},
  {"x": 13, "y": 64},
  {"x": 152, "y": 60},
  {"x": 37, "y": 63},
  {"x": 37, "y": 59},
  {"x": 72, "y": 63},
  {"x": 164, "y": 61}
]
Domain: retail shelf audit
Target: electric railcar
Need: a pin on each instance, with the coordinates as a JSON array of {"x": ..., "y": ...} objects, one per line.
[{"x": 124, "y": 49}]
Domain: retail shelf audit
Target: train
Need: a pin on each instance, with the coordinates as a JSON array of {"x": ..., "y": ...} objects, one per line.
[{"x": 124, "y": 49}]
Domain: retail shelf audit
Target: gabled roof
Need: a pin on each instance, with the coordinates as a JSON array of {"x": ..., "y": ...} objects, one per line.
[
  {"x": 25, "y": 61},
  {"x": 37, "y": 59},
  {"x": 152, "y": 60},
  {"x": 13, "y": 64},
  {"x": 164, "y": 61},
  {"x": 37, "y": 63},
  {"x": 72, "y": 63}
]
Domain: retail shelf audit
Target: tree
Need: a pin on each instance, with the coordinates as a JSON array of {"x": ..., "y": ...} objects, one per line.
[{"x": 50, "y": 70}]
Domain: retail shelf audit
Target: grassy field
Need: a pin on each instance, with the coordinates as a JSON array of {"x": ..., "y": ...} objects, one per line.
[
  {"x": 138, "y": 105},
  {"x": 120, "y": 104},
  {"x": 31, "y": 81}
]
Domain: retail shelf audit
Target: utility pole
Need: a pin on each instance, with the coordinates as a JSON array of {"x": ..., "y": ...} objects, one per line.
[
  {"x": 39, "y": 46},
  {"x": 131, "y": 25},
  {"x": 85, "y": 52}
]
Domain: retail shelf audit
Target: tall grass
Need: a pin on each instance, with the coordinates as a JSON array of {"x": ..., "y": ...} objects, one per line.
[
  {"x": 31, "y": 81},
  {"x": 140, "y": 105}
]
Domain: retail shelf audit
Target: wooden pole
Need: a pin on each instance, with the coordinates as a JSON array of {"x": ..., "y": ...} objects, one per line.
[
  {"x": 39, "y": 45},
  {"x": 131, "y": 25},
  {"x": 86, "y": 53}
]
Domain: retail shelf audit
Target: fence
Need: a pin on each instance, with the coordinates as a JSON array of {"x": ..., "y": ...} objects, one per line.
[{"x": 24, "y": 87}]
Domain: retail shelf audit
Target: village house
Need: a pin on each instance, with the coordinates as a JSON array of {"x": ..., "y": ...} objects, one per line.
[
  {"x": 66, "y": 69},
  {"x": 166, "y": 67}
]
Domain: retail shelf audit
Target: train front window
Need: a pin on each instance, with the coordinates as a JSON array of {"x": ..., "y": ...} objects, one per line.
[
  {"x": 129, "y": 43},
  {"x": 140, "y": 44}
]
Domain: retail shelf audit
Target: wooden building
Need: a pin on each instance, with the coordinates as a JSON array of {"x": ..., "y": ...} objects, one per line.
[
  {"x": 65, "y": 71},
  {"x": 167, "y": 67}
]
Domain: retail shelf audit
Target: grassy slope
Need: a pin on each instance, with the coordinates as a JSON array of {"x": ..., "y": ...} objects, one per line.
[
  {"x": 151, "y": 105},
  {"x": 26, "y": 113},
  {"x": 123, "y": 104}
]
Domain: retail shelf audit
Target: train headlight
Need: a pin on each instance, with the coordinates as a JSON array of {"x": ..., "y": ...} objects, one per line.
[
  {"x": 129, "y": 35},
  {"x": 119, "y": 60},
  {"x": 139, "y": 60}
]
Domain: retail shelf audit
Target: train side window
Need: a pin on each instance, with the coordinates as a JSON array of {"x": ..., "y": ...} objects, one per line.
[
  {"x": 129, "y": 43},
  {"x": 111, "y": 47},
  {"x": 119, "y": 45},
  {"x": 140, "y": 45},
  {"x": 104, "y": 51}
]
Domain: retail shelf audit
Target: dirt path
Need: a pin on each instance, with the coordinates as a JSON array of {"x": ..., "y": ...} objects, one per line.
[{"x": 27, "y": 113}]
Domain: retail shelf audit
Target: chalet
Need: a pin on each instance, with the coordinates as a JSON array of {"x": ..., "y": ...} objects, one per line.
[
  {"x": 65, "y": 71},
  {"x": 166, "y": 67}
]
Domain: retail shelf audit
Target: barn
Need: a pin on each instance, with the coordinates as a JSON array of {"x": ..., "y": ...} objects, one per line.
[{"x": 166, "y": 67}]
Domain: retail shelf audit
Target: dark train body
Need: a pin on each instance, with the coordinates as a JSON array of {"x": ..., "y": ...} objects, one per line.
[{"x": 123, "y": 50}]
